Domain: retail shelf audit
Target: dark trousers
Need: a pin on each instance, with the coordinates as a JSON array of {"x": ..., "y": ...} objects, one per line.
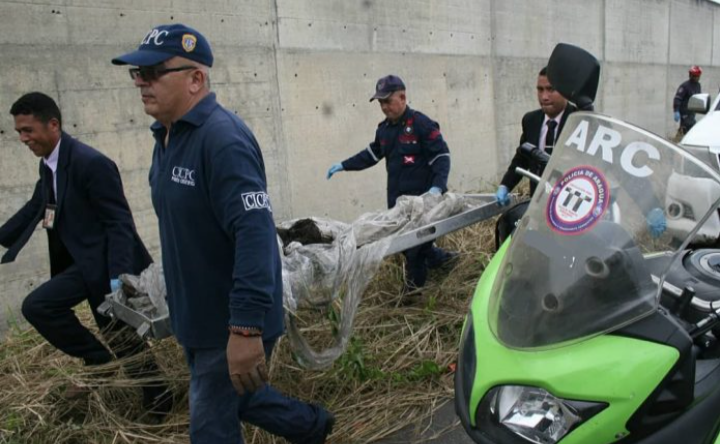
[
  {"x": 216, "y": 409},
  {"x": 687, "y": 122},
  {"x": 49, "y": 308},
  {"x": 418, "y": 260}
]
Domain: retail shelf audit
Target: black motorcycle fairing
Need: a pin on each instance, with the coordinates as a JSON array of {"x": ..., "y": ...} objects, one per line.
[
  {"x": 698, "y": 425},
  {"x": 676, "y": 391}
]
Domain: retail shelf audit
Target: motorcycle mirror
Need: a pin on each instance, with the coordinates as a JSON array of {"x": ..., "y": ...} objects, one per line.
[{"x": 575, "y": 74}]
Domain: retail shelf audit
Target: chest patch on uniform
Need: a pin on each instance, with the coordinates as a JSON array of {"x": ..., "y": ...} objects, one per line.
[
  {"x": 183, "y": 176},
  {"x": 408, "y": 160},
  {"x": 408, "y": 135},
  {"x": 408, "y": 138}
]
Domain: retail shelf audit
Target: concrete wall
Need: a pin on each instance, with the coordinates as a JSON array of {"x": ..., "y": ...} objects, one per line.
[{"x": 300, "y": 72}]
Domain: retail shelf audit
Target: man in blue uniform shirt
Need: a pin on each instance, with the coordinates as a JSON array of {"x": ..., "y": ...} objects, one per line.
[
  {"x": 220, "y": 253},
  {"x": 417, "y": 161}
]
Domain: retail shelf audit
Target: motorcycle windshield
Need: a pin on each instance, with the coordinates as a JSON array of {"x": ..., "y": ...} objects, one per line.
[{"x": 577, "y": 263}]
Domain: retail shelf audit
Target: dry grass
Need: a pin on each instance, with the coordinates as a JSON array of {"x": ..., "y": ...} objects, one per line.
[{"x": 396, "y": 371}]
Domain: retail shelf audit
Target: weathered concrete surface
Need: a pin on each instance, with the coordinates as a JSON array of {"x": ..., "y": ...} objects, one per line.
[{"x": 300, "y": 72}]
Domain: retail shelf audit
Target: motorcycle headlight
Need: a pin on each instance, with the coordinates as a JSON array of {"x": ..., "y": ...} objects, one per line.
[{"x": 521, "y": 414}]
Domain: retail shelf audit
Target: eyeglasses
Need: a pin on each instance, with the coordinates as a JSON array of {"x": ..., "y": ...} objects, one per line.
[{"x": 152, "y": 73}]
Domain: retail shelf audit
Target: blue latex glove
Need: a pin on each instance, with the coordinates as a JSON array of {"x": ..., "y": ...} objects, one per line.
[
  {"x": 656, "y": 222},
  {"x": 502, "y": 196},
  {"x": 334, "y": 169},
  {"x": 676, "y": 116},
  {"x": 114, "y": 285},
  {"x": 435, "y": 190}
]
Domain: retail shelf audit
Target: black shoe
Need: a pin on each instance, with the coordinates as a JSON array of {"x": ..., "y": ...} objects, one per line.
[
  {"x": 448, "y": 262},
  {"x": 329, "y": 424},
  {"x": 409, "y": 294},
  {"x": 157, "y": 402}
]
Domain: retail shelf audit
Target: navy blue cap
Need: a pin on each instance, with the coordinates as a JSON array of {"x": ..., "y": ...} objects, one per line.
[
  {"x": 165, "y": 42},
  {"x": 386, "y": 86}
]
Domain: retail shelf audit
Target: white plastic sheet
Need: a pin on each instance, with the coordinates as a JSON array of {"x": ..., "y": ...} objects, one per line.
[
  {"x": 144, "y": 293},
  {"x": 318, "y": 274}
]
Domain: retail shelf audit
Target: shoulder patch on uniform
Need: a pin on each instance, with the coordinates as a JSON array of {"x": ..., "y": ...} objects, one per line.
[{"x": 256, "y": 200}]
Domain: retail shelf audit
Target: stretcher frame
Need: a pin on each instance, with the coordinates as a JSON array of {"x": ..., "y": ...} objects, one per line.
[{"x": 159, "y": 327}]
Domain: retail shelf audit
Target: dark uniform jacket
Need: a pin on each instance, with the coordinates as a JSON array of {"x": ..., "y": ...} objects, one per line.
[
  {"x": 93, "y": 225},
  {"x": 686, "y": 90},
  {"x": 532, "y": 123},
  {"x": 416, "y": 155},
  {"x": 219, "y": 245}
]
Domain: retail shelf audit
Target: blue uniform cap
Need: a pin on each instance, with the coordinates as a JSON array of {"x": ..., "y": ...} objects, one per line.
[
  {"x": 386, "y": 86},
  {"x": 165, "y": 42}
]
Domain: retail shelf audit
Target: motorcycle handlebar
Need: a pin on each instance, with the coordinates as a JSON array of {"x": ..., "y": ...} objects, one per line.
[{"x": 534, "y": 153}]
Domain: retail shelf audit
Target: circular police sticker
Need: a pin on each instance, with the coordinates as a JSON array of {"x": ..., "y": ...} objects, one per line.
[{"x": 578, "y": 200}]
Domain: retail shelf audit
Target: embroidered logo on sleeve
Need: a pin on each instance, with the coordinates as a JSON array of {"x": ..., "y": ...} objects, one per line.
[
  {"x": 256, "y": 200},
  {"x": 183, "y": 176}
]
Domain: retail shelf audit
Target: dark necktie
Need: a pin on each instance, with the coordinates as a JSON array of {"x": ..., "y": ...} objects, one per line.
[
  {"x": 49, "y": 189},
  {"x": 550, "y": 136}
]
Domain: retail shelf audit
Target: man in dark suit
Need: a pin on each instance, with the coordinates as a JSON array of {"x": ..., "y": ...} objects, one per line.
[
  {"x": 542, "y": 128},
  {"x": 91, "y": 238}
]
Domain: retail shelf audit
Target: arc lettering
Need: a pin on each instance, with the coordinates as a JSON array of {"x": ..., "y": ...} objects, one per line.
[{"x": 605, "y": 140}]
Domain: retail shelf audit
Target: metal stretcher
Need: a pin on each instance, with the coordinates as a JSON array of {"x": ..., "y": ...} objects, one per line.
[{"x": 159, "y": 327}]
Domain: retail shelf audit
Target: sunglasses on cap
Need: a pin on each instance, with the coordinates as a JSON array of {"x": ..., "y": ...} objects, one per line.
[{"x": 152, "y": 73}]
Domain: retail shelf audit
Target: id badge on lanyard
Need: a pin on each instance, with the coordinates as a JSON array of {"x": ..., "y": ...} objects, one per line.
[{"x": 49, "y": 219}]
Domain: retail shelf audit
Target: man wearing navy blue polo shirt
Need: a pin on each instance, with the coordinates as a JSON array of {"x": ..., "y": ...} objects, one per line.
[
  {"x": 219, "y": 248},
  {"x": 417, "y": 160}
]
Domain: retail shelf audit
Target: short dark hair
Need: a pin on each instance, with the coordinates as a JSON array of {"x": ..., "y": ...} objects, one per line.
[
  {"x": 40, "y": 105},
  {"x": 543, "y": 72}
]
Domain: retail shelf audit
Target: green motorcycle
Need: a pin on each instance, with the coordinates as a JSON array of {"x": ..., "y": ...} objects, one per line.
[{"x": 584, "y": 328}]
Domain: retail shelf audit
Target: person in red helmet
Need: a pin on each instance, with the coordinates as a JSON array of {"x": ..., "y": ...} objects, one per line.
[{"x": 686, "y": 90}]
